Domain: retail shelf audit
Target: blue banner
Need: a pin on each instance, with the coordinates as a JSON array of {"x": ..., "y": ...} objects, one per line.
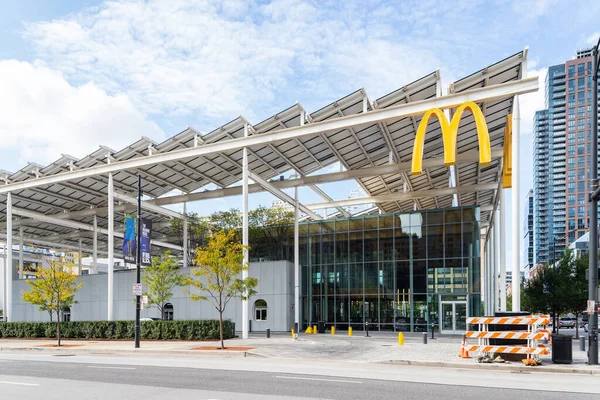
[
  {"x": 129, "y": 240},
  {"x": 145, "y": 245}
]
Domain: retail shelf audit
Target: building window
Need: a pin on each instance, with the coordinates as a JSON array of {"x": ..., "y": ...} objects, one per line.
[
  {"x": 571, "y": 224},
  {"x": 581, "y": 111},
  {"x": 581, "y": 149},
  {"x": 260, "y": 310},
  {"x": 589, "y": 67},
  {"x": 571, "y": 99},
  {"x": 571, "y": 212},
  {"x": 581, "y": 223},
  {"x": 581, "y": 211},
  {"x": 589, "y": 82},
  {"x": 581, "y": 162},
  {"x": 168, "y": 312},
  {"x": 571, "y": 175},
  {"x": 581, "y": 136},
  {"x": 572, "y": 112},
  {"x": 571, "y": 137},
  {"x": 571, "y": 187},
  {"x": 571, "y": 125},
  {"x": 581, "y": 123},
  {"x": 580, "y": 174},
  {"x": 571, "y": 71},
  {"x": 571, "y": 149},
  {"x": 581, "y": 198},
  {"x": 581, "y": 69},
  {"x": 571, "y": 85},
  {"x": 66, "y": 314},
  {"x": 580, "y": 83},
  {"x": 581, "y": 186},
  {"x": 571, "y": 162},
  {"x": 571, "y": 199},
  {"x": 580, "y": 97}
]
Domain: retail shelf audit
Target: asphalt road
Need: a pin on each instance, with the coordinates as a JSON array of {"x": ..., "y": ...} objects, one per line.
[{"x": 60, "y": 379}]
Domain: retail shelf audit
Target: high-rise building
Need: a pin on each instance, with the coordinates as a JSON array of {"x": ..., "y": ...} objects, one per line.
[
  {"x": 562, "y": 143},
  {"x": 527, "y": 249}
]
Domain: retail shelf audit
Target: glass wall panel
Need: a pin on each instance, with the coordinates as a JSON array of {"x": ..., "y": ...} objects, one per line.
[
  {"x": 371, "y": 308},
  {"x": 356, "y": 224},
  {"x": 386, "y": 245},
  {"x": 386, "y": 222},
  {"x": 341, "y": 225},
  {"x": 328, "y": 227},
  {"x": 357, "y": 312},
  {"x": 402, "y": 244},
  {"x": 327, "y": 248},
  {"x": 331, "y": 310},
  {"x": 328, "y": 279},
  {"x": 371, "y": 278},
  {"x": 302, "y": 240},
  {"x": 371, "y": 223},
  {"x": 341, "y": 312},
  {"x": 356, "y": 247},
  {"x": 453, "y": 240},
  {"x": 370, "y": 245},
  {"x": 419, "y": 276},
  {"x": 386, "y": 278},
  {"x": 341, "y": 247},
  {"x": 314, "y": 228},
  {"x": 356, "y": 279},
  {"x": 387, "y": 315},
  {"x": 435, "y": 241},
  {"x": 419, "y": 313},
  {"x": 341, "y": 279},
  {"x": 419, "y": 243},
  {"x": 417, "y": 219},
  {"x": 452, "y": 216},
  {"x": 434, "y": 217},
  {"x": 316, "y": 279},
  {"x": 314, "y": 243},
  {"x": 402, "y": 276}
]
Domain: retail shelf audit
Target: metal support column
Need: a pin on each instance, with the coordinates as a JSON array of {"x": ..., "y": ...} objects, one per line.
[
  {"x": 593, "y": 242},
  {"x": 498, "y": 264},
  {"x": 515, "y": 209},
  {"x": 21, "y": 261},
  {"x": 245, "y": 321},
  {"x": 9, "y": 259},
  {"x": 80, "y": 254},
  {"x": 502, "y": 228},
  {"x": 185, "y": 236},
  {"x": 296, "y": 264},
  {"x": 111, "y": 247},
  {"x": 95, "y": 244}
]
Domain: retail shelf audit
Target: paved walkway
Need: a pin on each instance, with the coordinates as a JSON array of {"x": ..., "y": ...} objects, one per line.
[{"x": 379, "y": 348}]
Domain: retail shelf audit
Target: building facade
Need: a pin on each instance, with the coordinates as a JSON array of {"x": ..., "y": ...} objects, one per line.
[
  {"x": 528, "y": 248},
  {"x": 562, "y": 184},
  {"x": 396, "y": 272}
]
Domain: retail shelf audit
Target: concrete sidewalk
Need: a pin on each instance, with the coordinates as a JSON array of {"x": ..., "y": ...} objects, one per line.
[{"x": 380, "y": 348}]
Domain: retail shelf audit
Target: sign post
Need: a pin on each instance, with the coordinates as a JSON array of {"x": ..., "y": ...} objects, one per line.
[{"x": 138, "y": 286}]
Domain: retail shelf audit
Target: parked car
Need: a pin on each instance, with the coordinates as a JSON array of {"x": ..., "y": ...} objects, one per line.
[
  {"x": 566, "y": 322},
  {"x": 585, "y": 327}
]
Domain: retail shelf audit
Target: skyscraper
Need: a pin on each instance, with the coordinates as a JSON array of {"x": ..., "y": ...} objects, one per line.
[
  {"x": 527, "y": 249},
  {"x": 562, "y": 143}
]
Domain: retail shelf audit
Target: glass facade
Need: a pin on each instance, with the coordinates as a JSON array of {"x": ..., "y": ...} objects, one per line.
[{"x": 390, "y": 271}]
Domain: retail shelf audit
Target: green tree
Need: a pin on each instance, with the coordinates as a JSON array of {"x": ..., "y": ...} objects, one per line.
[
  {"x": 54, "y": 288},
  {"x": 270, "y": 232},
  {"x": 226, "y": 221},
  {"x": 217, "y": 276},
  {"x": 198, "y": 231},
  {"x": 579, "y": 289},
  {"x": 159, "y": 279}
]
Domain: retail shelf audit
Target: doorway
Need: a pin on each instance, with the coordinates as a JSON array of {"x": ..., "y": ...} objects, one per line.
[{"x": 453, "y": 317}]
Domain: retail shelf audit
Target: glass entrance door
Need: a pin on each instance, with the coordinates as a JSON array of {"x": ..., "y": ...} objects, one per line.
[{"x": 453, "y": 317}]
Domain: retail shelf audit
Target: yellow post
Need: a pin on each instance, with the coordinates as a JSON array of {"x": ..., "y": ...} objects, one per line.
[
  {"x": 401, "y": 339},
  {"x": 315, "y": 329},
  {"x": 293, "y": 335},
  {"x": 350, "y": 331},
  {"x": 332, "y": 330},
  {"x": 309, "y": 330}
]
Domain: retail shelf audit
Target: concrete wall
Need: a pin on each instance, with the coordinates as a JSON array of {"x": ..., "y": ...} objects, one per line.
[{"x": 275, "y": 286}]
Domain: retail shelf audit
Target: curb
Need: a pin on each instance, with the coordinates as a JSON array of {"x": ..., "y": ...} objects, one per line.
[
  {"x": 498, "y": 368},
  {"x": 115, "y": 352}
]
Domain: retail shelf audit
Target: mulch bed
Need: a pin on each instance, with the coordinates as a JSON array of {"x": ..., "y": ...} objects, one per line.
[{"x": 225, "y": 349}]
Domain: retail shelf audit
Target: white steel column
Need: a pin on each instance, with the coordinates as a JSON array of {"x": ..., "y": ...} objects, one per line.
[
  {"x": 296, "y": 265},
  {"x": 515, "y": 209},
  {"x": 21, "y": 262},
  {"x": 95, "y": 244},
  {"x": 492, "y": 267},
  {"x": 498, "y": 262},
  {"x": 111, "y": 247},
  {"x": 80, "y": 255},
  {"x": 9, "y": 259},
  {"x": 185, "y": 236},
  {"x": 245, "y": 231},
  {"x": 502, "y": 251}
]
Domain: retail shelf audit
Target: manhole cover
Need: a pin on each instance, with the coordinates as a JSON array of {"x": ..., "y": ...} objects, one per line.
[{"x": 64, "y": 355}]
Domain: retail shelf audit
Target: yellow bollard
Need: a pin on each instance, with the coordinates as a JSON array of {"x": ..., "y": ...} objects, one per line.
[
  {"x": 309, "y": 330},
  {"x": 350, "y": 331},
  {"x": 315, "y": 329},
  {"x": 401, "y": 339},
  {"x": 293, "y": 334},
  {"x": 332, "y": 330}
]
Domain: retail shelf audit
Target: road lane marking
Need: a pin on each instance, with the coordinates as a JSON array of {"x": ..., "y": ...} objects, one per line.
[
  {"x": 19, "y": 383},
  {"x": 316, "y": 379},
  {"x": 95, "y": 366}
]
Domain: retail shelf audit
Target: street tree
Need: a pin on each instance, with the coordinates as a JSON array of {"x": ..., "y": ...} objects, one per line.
[
  {"x": 217, "y": 275},
  {"x": 579, "y": 289},
  {"x": 53, "y": 288},
  {"x": 159, "y": 280},
  {"x": 270, "y": 230}
]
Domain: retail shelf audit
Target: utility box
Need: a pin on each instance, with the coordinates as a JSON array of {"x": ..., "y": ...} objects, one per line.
[{"x": 562, "y": 349}]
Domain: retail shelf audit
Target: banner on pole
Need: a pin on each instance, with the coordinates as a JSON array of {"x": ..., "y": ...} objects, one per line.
[
  {"x": 129, "y": 242},
  {"x": 146, "y": 232}
]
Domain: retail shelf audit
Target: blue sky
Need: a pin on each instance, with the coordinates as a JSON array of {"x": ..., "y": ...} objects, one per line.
[{"x": 75, "y": 74}]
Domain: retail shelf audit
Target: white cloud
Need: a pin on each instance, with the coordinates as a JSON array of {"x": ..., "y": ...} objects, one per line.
[
  {"x": 532, "y": 102},
  {"x": 593, "y": 39},
  {"x": 43, "y": 116}
]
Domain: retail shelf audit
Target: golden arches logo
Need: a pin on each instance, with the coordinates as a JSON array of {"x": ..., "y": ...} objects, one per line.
[{"x": 450, "y": 134}]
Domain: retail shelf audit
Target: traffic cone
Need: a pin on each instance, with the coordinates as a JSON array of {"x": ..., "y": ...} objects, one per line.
[{"x": 463, "y": 351}]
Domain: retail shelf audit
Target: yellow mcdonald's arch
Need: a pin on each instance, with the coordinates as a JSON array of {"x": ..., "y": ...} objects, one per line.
[
  {"x": 507, "y": 163},
  {"x": 450, "y": 134}
]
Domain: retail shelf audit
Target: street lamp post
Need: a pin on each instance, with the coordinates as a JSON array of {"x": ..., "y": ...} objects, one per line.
[{"x": 593, "y": 242}]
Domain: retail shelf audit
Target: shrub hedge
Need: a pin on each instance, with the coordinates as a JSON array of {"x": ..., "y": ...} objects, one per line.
[{"x": 159, "y": 330}]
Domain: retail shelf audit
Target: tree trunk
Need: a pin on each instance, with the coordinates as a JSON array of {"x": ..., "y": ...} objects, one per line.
[
  {"x": 221, "y": 329},
  {"x": 50, "y": 312},
  {"x": 58, "y": 324}
]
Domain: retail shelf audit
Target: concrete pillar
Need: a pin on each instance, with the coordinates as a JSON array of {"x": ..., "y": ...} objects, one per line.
[
  {"x": 111, "y": 247},
  {"x": 296, "y": 264},
  {"x": 21, "y": 255},
  {"x": 9, "y": 259},
  {"x": 515, "y": 209},
  {"x": 245, "y": 231},
  {"x": 185, "y": 236}
]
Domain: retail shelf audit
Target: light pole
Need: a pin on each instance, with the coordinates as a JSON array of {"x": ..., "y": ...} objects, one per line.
[{"x": 593, "y": 274}]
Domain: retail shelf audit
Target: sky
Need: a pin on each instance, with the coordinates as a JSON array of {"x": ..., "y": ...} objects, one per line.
[{"x": 75, "y": 74}]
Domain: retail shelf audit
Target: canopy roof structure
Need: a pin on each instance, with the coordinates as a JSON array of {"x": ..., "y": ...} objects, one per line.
[{"x": 374, "y": 152}]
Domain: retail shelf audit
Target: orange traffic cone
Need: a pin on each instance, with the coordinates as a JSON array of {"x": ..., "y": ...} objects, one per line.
[{"x": 463, "y": 351}]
